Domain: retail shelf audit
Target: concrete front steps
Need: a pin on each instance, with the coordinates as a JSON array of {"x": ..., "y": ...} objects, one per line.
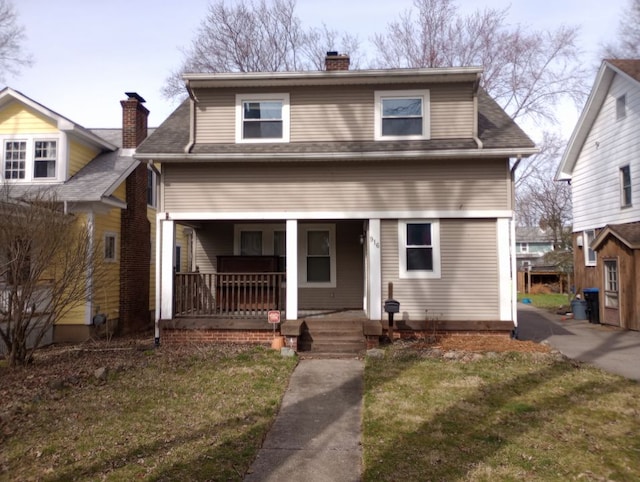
[{"x": 336, "y": 338}]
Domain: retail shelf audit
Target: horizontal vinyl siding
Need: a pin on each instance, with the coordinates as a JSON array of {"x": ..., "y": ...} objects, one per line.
[
  {"x": 452, "y": 112},
  {"x": 215, "y": 116},
  {"x": 335, "y": 113},
  {"x": 79, "y": 156},
  {"x": 468, "y": 288},
  {"x": 417, "y": 185},
  {"x": 106, "y": 294},
  {"x": 212, "y": 240},
  {"x": 610, "y": 145},
  {"x": 331, "y": 115},
  {"x": 18, "y": 119}
]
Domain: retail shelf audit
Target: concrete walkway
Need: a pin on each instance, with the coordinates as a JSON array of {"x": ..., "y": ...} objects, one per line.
[
  {"x": 607, "y": 347},
  {"x": 316, "y": 435}
]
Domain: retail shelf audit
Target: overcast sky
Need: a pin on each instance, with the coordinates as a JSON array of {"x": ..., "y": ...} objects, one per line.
[{"x": 89, "y": 52}]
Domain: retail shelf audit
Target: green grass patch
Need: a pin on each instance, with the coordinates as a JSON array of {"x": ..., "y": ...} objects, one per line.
[
  {"x": 197, "y": 415},
  {"x": 510, "y": 416},
  {"x": 551, "y": 301}
]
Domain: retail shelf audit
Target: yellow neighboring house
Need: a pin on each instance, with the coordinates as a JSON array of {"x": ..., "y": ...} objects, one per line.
[{"x": 94, "y": 174}]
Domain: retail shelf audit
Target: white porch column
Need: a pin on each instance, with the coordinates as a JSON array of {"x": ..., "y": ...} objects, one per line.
[
  {"x": 167, "y": 243},
  {"x": 375, "y": 270},
  {"x": 504, "y": 270},
  {"x": 292, "y": 269}
]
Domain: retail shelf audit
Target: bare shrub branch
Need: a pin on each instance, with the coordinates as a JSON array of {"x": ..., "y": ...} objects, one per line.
[{"x": 12, "y": 54}]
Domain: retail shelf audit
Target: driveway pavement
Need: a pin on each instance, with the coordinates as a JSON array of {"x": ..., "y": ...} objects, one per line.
[{"x": 607, "y": 347}]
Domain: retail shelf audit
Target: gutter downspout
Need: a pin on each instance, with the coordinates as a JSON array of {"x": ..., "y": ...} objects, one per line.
[
  {"x": 474, "y": 133},
  {"x": 192, "y": 116}
]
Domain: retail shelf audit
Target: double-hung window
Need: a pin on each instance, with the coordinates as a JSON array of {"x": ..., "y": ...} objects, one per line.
[
  {"x": 317, "y": 251},
  {"x": 402, "y": 114},
  {"x": 611, "y": 297},
  {"x": 625, "y": 186},
  {"x": 15, "y": 159},
  {"x": 419, "y": 248},
  {"x": 262, "y": 118},
  {"x": 589, "y": 254},
  {"x": 110, "y": 253},
  {"x": 621, "y": 107},
  {"x": 30, "y": 159}
]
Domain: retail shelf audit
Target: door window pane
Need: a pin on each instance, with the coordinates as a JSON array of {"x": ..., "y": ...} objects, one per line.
[{"x": 251, "y": 243}]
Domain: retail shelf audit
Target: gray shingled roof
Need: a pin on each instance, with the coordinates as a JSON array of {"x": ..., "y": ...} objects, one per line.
[
  {"x": 114, "y": 136},
  {"x": 172, "y": 136},
  {"x": 526, "y": 234},
  {"x": 496, "y": 131},
  {"x": 92, "y": 183},
  {"x": 98, "y": 178},
  {"x": 628, "y": 233}
]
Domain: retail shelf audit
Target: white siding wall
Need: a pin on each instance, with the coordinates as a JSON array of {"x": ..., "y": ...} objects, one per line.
[{"x": 610, "y": 145}]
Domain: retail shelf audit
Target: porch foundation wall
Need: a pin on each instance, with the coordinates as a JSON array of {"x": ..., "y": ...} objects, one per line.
[{"x": 181, "y": 337}]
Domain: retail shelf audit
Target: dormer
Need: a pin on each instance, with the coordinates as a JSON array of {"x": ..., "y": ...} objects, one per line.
[{"x": 38, "y": 145}]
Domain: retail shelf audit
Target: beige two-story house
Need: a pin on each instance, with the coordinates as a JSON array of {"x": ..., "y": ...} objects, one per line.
[{"x": 311, "y": 192}]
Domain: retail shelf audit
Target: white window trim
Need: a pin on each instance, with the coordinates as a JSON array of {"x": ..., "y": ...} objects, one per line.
[
  {"x": 524, "y": 247},
  {"x": 304, "y": 230},
  {"x": 284, "y": 97},
  {"x": 587, "y": 241},
  {"x": 623, "y": 203},
  {"x": 115, "y": 247},
  {"x": 31, "y": 139},
  {"x": 435, "y": 273},
  {"x": 426, "y": 113}
]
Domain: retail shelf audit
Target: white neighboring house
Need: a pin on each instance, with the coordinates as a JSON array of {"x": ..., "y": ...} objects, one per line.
[{"x": 602, "y": 162}]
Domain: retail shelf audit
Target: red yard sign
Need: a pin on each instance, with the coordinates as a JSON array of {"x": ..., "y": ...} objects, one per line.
[{"x": 274, "y": 316}]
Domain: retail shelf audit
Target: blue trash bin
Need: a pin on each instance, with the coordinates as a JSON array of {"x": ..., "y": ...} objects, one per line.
[{"x": 579, "y": 309}]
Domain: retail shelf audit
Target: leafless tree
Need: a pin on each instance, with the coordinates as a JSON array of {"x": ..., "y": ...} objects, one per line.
[
  {"x": 627, "y": 43},
  {"x": 255, "y": 36},
  {"x": 12, "y": 54},
  {"x": 48, "y": 261},
  {"x": 526, "y": 71}
]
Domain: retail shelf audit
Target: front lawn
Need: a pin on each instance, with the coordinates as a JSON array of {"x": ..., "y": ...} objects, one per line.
[
  {"x": 435, "y": 415},
  {"x": 196, "y": 413}
]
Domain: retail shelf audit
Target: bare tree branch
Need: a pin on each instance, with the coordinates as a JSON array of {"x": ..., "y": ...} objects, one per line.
[
  {"x": 627, "y": 43},
  {"x": 12, "y": 55},
  {"x": 49, "y": 263}
]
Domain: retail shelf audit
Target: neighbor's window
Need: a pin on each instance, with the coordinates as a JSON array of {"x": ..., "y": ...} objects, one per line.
[
  {"x": 611, "y": 299},
  {"x": 402, "y": 115},
  {"x": 262, "y": 118},
  {"x": 419, "y": 243},
  {"x": 318, "y": 256},
  {"x": 524, "y": 247},
  {"x": 178, "y": 261},
  {"x": 589, "y": 254},
  {"x": 621, "y": 107},
  {"x": 44, "y": 159},
  {"x": 15, "y": 157},
  {"x": 109, "y": 247},
  {"x": 625, "y": 185}
]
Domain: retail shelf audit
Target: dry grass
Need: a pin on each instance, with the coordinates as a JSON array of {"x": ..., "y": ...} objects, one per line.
[
  {"x": 497, "y": 416},
  {"x": 196, "y": 413}
]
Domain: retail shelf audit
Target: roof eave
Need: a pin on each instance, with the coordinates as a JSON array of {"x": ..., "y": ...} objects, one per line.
[
  {"x": 585, "y": 122},
  {"x": 337, "y": 156},
  {"x": 335, "y": 77}
]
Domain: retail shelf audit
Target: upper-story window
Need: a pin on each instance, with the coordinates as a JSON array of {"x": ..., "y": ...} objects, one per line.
[
  {"x": 625, "y": 186},
  {"x": 402, "y": 114},
  {"x": 621, "y": 107},
  {"x": 29, "y": 159},
  {"x": 262, "y": 117},
  {"x": 152, "y": 188}
]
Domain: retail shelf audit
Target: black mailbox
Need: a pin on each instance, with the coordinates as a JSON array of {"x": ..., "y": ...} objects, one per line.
[{"x": 392, "y": 306}]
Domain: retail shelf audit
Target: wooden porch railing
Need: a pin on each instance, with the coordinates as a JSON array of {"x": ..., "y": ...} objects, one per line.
[{"x": 232, "y": 295}]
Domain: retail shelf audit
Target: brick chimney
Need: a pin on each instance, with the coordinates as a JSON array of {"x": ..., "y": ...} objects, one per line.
[
  {"x": 134, "y": 120},
  {"x": 135, "y": 230},
  {"x": 336, "y": 61}
]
